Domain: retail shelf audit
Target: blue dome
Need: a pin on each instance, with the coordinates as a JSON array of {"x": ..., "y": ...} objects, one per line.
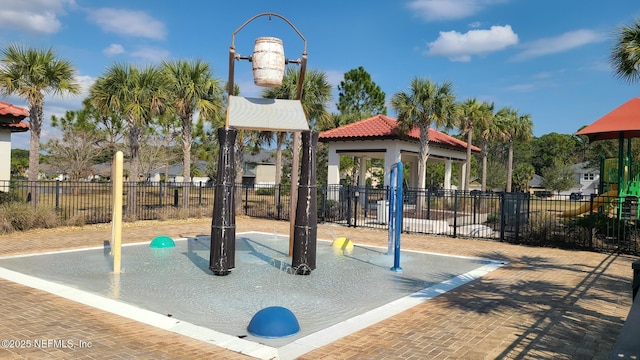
[{"x": 273, "y": 322}]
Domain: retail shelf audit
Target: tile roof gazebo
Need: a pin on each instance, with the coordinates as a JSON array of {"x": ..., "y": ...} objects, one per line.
[
  {"x": 378, "y": 137},
  {"x": 10, "y": 122}
]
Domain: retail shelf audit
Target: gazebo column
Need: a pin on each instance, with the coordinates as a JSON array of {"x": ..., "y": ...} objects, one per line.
[
  {"x": 463, "y": 171},
  {"x": 413, "y": 173},
  {"x": 391, "y": 156},
  {"x": 362, "y": 172},
  {"x": 447, "y": 174},
  {"x": 362, "y": 179},
  {"x": 333, "y": 174}
]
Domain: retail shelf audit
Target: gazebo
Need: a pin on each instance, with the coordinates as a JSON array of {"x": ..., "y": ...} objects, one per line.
[
  {"x": 10, "y": 122},
  {"x": 378, "y": 137}
]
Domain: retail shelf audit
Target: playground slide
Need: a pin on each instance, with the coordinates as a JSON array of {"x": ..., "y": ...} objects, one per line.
[{"x": 598, "y": 201}]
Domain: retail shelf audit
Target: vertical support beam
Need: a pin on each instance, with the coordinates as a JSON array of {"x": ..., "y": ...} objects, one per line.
[
  {"x": 333, "y": 173},
  {"x": 463, "y": 174},
  {"x": 116, "y": 225},
  {"x": 391, "y": 157},
  {"x": 447, "y": 174},
  {"x": 306, "y": 218},
  {"x": 333, "y": 168},
  {"x": 223, "y": 225},
  {"x": 395, "y": 214},
  {"x": 293, "y": 194},
  {"x": 362, "y": 180}
]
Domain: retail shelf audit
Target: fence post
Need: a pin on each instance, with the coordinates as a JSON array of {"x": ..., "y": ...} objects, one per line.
[
  {"x": 57, "y": 196},
  {"x": 349, "y": 205},
  {"x": 246, "y": 199},
  {"x": 455, "y": 213},
  {"x": 160, "y": 192},
  {"x": 175, "y": 197},
  {"x": 279, "y": 200},
  {"x": 200, "y": 194},
  {"x": 428, "y": 202},
  {"x": 502, "y": 217},
  {"x": 518, "y": 209},
  {"x": 323, "y": 200}
]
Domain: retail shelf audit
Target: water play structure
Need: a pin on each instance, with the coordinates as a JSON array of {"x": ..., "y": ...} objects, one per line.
[{"x": 268, "y": 115}]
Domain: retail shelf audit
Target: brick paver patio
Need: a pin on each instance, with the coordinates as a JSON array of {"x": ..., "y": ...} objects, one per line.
[{"x": 546, "y": 304}]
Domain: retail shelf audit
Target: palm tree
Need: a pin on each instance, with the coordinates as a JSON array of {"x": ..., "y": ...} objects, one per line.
[
  {"x": 625, "y": 57},
  {"x": 316, "y": 93},
  {"x": 30, "y": 73},
  {"x": 488, "y": 132},
  {"x": 193, "y": 90},
  {"x": 427, "y": 103},
  {"x": 516, "y": 128},
  {"x": 472, "y": 114},
  {"x": 138, "y": 95}
]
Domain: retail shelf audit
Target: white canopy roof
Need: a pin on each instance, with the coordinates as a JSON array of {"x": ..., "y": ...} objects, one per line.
[{"x": 266, "y": 114}]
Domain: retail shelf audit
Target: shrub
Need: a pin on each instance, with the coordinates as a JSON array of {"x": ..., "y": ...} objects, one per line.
[
  {"x": 266, "y": 191},
  {"x": 20, "y": 215},
  {"x": 45, "y": 217},
  {"x": 5, "y": 224}
]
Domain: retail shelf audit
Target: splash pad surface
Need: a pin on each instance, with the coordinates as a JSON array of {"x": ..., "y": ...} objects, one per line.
[{"x": 174, "y": 289}]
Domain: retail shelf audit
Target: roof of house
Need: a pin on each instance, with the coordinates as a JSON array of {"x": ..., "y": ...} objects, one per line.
[
  {"x": 178, "y": 169},
  {"x": 262, "y": 157},
  {"x": 11, "y": 113},
  {"x": 382, "y": 127},
  {"x": 584, "y": 167}
]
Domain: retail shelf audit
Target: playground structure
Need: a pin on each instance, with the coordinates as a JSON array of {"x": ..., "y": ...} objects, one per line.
[
  {"x": 618, "y": 194},
  {"x": 619, "y": 177}
]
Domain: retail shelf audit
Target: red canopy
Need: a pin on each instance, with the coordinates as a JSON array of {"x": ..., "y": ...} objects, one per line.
[{"x": 624, "y": 120}]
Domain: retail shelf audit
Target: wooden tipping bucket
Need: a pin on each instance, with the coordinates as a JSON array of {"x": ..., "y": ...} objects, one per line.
[{"x": 268, "y": 62}]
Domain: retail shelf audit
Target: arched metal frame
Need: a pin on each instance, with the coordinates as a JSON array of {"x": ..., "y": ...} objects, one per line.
[{"x": 233, "y": 57}]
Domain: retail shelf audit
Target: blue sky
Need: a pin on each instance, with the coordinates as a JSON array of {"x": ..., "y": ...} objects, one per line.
[{"x": 546, "y": 58}]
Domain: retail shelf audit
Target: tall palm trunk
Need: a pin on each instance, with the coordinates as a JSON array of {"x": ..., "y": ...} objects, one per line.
[
  {"x": 422, "y": 164},
  {"x": 510, "y": 166},
  {"x": 467, "y": 175},
  {"x": 484, "y": 167},
  {"x": 35, "y": 117}
]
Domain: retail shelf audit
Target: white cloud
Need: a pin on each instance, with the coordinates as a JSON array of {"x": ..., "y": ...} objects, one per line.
[
  {"x": 151, "y": 54},
  {"x": 565, "y": 42},
  {"x": 38, "y": 16},
  {"x": 113, "y": 49},
  {"x": 128, "y": 22},
  {"x": 460, "y": 47},
  {"x": 334, "y": 77},
  {"x": 434, "y": 10}
]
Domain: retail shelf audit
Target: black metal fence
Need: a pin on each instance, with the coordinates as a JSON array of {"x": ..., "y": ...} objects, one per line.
[{"x": 598, "y": 223}]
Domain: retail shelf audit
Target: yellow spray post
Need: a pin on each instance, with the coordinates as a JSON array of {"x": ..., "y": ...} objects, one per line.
[{"x": 116, "y": 223}]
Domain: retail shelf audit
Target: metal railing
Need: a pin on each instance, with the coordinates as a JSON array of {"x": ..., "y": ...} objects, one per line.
[{"x": 592, "y": 223}]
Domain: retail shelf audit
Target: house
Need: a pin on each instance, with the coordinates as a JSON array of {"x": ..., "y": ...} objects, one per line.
[
  {"x": 176, "y": 174},
  {"x": 259, "y": 169},
  {"x": 587, "y": 177},
  {"x": 10, "y": 122}
]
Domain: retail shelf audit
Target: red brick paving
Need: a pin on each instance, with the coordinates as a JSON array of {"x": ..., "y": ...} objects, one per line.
[{"x": 546, "y": 304}]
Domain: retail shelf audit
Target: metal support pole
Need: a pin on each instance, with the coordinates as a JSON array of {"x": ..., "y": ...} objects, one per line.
[
  {"x": 306, "y": 217},
  {"x": 223, "y": 227}
]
